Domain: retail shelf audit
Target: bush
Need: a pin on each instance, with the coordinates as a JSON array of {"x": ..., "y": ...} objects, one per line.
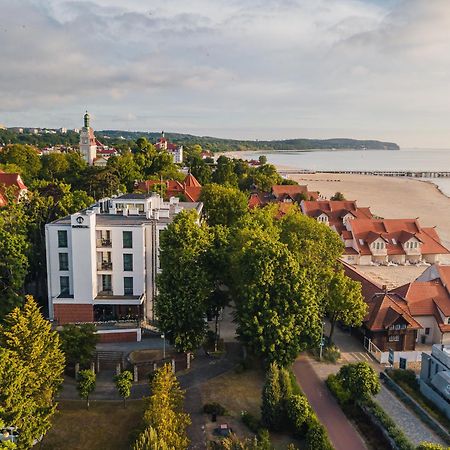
[
  {"x": 316, "y": 437},
  {"x": 214, "y": 408},
  {"x": 331, "y": 354},
  {"x": 404, "y": 376},
  {"x": 298, "y": 411},
  {"x": 342, "y": 396},
  {"x": 251, "y": 421},
  {"x": 360, "y": 380},
  {"x": 430, "y": 446}
]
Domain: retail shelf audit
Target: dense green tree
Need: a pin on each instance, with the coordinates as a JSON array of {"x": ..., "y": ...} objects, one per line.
[
  {"x": 149, "y": 440},
  {"x": 317, "y": 437},
  {"x": 54, "y": 166},
  {"x": 86, "y": 384},
  {"x": 78, "y": 343},
  {"x": 271, "y": 407},
  {"x": 262, "y": 159},
  {"x": 124, "y": 382},
  {"x": 184, "y": 286},
  {"x": 277, "y": 312},
  {"x": 224, "y": 173},
  {"x": 345, "y": 302},
  {"x": 223, "y": 205},
  {"x": 264, "y": 177},
  {"x": 298, "y": 411},
  {"x": 31, "y": 369},
  {"x": 165, "y": 409},
  {"x": 126, "y": 169},
  {"x": 338, "y": 196},
  {"x": 430, "y": 446},
  {"x": 360, "y": 379},
  {"x": 25, "y": 157},
  {"x": 101, "y": 182}
]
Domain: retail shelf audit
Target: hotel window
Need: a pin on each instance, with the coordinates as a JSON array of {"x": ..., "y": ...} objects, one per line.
[
  {"x": 127, "y": 239},
  {"x": 394, "y": 338},
  {"x": 106, "y": 283},
  {"x": 127, "y": 262},
  {"x": 398, "y": 326},
  {"x": 63, "y": 261},
  {"x": 128, "y": 286},
  {"x": 62, "y": 238},
  {"x": 64, "y": 286}
]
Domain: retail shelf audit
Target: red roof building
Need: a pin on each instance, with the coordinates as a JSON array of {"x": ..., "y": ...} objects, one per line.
[
  {"x": 14, "y": 182},
  {"x": 281, "y": 194},
  {"x": 190, "y": 188},
  {"x": 390, "y": 242}
]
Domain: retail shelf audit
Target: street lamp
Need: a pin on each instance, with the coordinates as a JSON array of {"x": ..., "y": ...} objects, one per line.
[
  {"x": 163, "y": 337},
  {"x": 321, "y": 342}
]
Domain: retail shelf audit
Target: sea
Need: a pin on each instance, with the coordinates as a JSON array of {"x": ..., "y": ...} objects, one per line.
[{"x": 404, "y": 159}]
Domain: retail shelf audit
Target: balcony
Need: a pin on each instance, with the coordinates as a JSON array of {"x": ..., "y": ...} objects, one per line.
[
  {"x": 108, "y": 298},
  {"x": 101, "y": 243},
  {"x": 104, "y": 265}
]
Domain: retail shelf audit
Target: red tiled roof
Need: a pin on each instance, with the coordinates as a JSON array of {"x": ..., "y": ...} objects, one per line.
[
  {"x": 10, "y": 180},
  {"x": 190, "y": 181},
  {"x": 393, "y": 232},
  {"x": 386, "y": 309},
  {"x": 293, "y": 191},
  {"x": 193, "y": 193}
]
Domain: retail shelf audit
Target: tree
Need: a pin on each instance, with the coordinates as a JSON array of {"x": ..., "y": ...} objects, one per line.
[
  {"x": 101, "y": 182},
  {"x": 86, "y": 384},
  {"x": 360, "y": 380},
  {"x": 78, "y": 343},
  {"x": 345, "y": 302},
  {"x": 262, "y": 159},
  {"x": 54, "y": 166},
  {"x": 264, "y": 177},
  {"x": 298, "y": 411},
  {"x": 317, "y": 437},
  {"x": 338, "y": 196},
  {"x": 165, "y": 409},
  {"x": 24, "y": 156},
  {"x": 261, "y": 442},
  {"x": 223, "y": 205},
  {"x": 430, "y": 446},
  {"x": 124, "y": 381},
  {"x": 149, "y": 440},
  {"x": 271, "y": 408},
  {"x": 31, "y": 368},
  {"x": 224, "y": 173},
  {"x": 184, "y": 286},
  {"x": 126, "y": 169}
]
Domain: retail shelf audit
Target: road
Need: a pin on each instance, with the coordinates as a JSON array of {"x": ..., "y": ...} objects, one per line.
[{"x": 341, "y": 432}]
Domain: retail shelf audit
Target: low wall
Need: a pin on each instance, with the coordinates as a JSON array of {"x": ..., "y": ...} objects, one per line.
[{"x": 422, "y": 413}]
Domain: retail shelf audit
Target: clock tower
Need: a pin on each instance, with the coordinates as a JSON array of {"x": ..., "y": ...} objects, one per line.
[{"x": 88, "y": 143}]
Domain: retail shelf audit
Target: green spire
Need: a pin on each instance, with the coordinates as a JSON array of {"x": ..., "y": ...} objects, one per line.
[{"x": 86, "y": 120}]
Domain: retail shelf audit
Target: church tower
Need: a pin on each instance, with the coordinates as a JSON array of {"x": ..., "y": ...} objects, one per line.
[{"x": 88, "y": 144}]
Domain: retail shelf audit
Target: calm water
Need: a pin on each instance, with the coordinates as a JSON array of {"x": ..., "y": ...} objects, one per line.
[{"x": 405, "y": 159}]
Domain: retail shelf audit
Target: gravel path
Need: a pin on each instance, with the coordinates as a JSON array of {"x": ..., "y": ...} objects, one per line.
[{"x": 405, "y": 419}]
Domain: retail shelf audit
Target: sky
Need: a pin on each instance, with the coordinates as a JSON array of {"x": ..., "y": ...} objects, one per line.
[{"x": 246, "y": 69}]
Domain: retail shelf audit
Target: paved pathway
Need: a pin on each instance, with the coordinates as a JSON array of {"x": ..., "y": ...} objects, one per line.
[
  {"x": 405, "y": 419},
  {"x": 342, "y": 433}
]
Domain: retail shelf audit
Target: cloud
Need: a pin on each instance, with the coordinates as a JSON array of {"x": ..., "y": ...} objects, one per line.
[{"x": 259, "y": 68}]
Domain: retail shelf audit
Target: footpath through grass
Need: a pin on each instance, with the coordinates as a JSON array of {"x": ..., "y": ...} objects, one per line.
[{"x": 107, "y": 425}]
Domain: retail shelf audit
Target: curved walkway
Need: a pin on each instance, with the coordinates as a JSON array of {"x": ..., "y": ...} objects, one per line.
[
  {"x": 405, "y": 419},
  {"x": 342, "y": 434}
]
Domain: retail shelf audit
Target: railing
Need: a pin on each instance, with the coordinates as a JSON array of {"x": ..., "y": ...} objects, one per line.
[
  {"x": 105, "y": 292},
  {"x": 104, "y": 265},
  {"x": 104, "y": 242}
]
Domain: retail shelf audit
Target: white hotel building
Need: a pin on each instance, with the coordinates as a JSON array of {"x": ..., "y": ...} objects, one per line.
[{"x": 102, "y": 263}]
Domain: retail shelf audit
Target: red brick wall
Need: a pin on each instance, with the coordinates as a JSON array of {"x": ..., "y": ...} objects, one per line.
[
  {"x": 129, "y": 336},
  {"x": 65, "y": 313}
]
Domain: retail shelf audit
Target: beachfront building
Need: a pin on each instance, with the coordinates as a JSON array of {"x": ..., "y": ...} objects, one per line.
[
  {"x": 334, "y": 213},
  {"x": 175, "y": 150},
  {"x": 390, "y": 242},
  {"x": 189, "y": 189},
  {"x": 435, "y": 377},
  {"x": 289, "y": 193},
  {"x": 11, "y": 183},
  {"x": 102, "y": 263}
]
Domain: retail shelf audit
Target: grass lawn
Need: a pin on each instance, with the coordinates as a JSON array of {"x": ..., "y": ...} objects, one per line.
[
  {"x": 239, "y": 392},
  {"x": 107, "y": 425}
]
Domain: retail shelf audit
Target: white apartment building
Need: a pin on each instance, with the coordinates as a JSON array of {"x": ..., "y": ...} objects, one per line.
[{"x": 102, "y": 263}]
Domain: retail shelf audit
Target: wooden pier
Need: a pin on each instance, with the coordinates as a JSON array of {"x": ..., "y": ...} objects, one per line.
[{"x": 384, "y": 173}]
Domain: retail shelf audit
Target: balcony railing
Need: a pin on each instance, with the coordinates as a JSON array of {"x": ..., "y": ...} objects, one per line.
[
  {"x": 104, "y": 242},
  {"x": 104, "y": 265}
]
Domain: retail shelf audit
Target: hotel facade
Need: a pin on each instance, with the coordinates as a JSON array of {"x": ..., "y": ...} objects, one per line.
[{"x": 102, "y": 263}]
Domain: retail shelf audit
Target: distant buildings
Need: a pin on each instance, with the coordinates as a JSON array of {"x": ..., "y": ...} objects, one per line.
[
  {"x": 175, "y": 150},
  {"x": 102, "y": 263}
]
